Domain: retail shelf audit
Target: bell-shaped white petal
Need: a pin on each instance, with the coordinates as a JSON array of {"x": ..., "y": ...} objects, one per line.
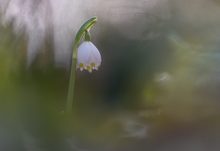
[{"x": 88, "y": 57}]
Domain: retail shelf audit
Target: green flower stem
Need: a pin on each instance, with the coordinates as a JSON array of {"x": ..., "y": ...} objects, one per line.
[
  {"x": 80, "y": 34},
  {"x": 87, "y": 36}
]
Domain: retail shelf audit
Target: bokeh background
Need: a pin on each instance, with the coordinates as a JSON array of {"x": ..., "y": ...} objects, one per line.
[{"x": 157, "y": 88}]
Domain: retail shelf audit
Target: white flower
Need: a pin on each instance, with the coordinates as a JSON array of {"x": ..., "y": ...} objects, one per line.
[{"x": 88, "y": 57}]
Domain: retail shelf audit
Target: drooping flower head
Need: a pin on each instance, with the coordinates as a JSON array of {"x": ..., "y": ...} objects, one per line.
[{"x": 88, "y": 57}]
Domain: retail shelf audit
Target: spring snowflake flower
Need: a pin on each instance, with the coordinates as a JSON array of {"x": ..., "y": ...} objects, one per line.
[{"x": 88, "y": 57}]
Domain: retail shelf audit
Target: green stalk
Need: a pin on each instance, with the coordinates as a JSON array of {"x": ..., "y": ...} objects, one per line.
[{"x": 80, "y": 34}]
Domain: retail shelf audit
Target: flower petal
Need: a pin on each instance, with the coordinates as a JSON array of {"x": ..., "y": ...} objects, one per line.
[{"x": 88, "y": 57}]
